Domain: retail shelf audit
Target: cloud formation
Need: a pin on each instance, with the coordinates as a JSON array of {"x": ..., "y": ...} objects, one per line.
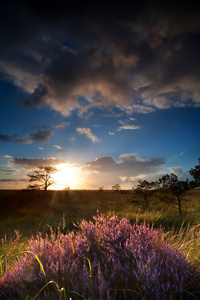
[
  {"x": 138, "y": 57},
  {"x": 7, "y": 156},
  {"x": 108, "y": 171},
  {"x": 180, "y": 172},
  {"x": 28, "y": 163},
  {"x": 6, "y": 171},
  {"x": 62, "y": 125},
  {"x": 12, "y": 180},
  {"x": 11, "y": 183},
  {"x": 183, "y": 152},
  {"x": 41, "y": 136},
  {"x": 128, "y": 127},
  {"x": 59, "y": 149},
  {"x": 176, "y": 170},
  {"x": 38, "y": 137},
  {"x": 89, "y": 134}
]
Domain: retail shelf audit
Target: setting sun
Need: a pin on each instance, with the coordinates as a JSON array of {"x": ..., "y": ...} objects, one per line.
[{"x": 65, "y": 177}]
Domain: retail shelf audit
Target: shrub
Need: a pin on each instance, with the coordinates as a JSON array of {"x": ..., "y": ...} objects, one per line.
[{"x": 105, "y": 259}]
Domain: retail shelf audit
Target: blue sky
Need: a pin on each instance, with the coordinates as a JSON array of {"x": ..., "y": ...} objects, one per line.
[{"x": 105, "y": 97}]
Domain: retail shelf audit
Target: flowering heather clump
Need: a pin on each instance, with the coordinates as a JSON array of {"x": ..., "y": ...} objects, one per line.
[{"x": 107, "y": 259}]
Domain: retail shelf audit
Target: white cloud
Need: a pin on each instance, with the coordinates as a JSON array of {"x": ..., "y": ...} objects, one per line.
[
  {"x": 111, "y": 133},
  {"x": 136, "y": 108},
  {"x": 121, "y": 122},
  {"x": 128, "y": 127},
  {"x": 89, "y": 134},
  {"x": 7, "y": 156},
  {"x": 182, "y": 153},
  {"x": 62, "y": 125},
  {"x": 58, "y": 147}
]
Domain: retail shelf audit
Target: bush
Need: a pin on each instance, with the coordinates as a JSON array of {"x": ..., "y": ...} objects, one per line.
[{"x": 105, "y": 259}]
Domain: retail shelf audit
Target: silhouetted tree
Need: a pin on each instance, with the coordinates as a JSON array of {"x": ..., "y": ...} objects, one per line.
[
  {"x": 195, "y": 172},
  {"x": 43, "y": 175},
  {"x": 177, "y": 188},
  {"x": 146, "y": 188},
  {"x": 101, "y": 188},
  {"x": 116, "y": 187}
]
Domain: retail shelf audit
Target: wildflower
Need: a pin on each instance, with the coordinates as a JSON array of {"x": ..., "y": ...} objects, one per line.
[{"x": 105, "y": 259}]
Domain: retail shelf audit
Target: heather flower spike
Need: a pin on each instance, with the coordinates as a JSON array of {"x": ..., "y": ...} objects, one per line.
[{"x": 105, "y": 259}]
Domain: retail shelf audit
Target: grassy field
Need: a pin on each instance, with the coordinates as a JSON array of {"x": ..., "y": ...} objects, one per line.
[
  {"x": 25, "y": 213},
  {"x": 31, "y": 211},
  {"x": 28, "y": 212}
]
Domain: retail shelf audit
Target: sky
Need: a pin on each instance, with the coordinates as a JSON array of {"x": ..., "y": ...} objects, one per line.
[{"x": 106, "y": 93}]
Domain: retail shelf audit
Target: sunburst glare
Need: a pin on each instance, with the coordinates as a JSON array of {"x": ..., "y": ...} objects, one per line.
[{"x": 65, "y": 177}]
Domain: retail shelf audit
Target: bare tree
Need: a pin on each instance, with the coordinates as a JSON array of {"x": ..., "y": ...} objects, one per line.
[{"x": 43, "y": 175}]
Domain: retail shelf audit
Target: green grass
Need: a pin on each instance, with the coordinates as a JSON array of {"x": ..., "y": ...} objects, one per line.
[{"x": 24, "y": 213}]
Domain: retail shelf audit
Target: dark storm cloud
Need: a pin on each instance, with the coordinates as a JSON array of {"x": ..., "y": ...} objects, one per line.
[
  {"x": 138, "y": 57},
  {"x": 38, "y": 137},
  {"x": 36, "y": 98},
  {"x": 29, "y": 163}
]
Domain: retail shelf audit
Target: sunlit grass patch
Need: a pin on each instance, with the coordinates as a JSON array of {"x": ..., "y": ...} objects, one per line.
[{"x": 10, "y": 249}]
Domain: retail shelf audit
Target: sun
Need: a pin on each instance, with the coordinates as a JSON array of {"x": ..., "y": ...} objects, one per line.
[{"x": 65, "y": 177}]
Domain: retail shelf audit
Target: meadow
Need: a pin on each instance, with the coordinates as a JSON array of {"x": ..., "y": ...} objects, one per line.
[{"x": 83, "y": 244}]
